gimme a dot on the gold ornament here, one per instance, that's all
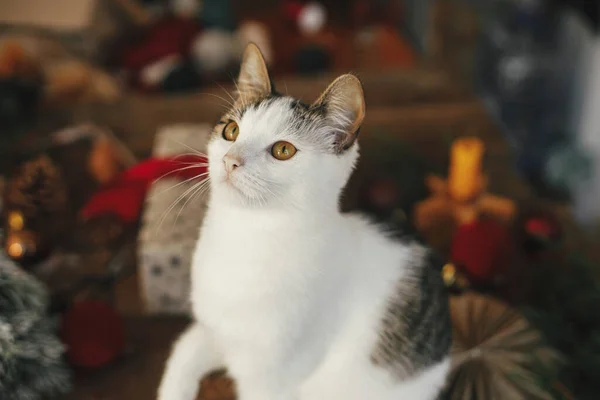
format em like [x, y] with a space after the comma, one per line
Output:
[454, 278]
[16, 221]
[20, 245]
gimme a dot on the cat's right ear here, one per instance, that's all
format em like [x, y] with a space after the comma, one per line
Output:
[253, 81]
[343, 104]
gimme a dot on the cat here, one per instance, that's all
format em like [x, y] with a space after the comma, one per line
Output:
[295, 299]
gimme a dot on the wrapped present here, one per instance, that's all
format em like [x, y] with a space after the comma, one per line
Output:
[166, 277]
[170, 224]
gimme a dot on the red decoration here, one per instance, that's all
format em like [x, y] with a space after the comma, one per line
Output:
[93, 333]
[125, 195]
[539, 233]
[169, 36]
[541, 227]
[483, 250]
[292, 9]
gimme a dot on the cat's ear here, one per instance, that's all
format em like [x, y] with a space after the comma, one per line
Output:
[253, 81]
[343, 104]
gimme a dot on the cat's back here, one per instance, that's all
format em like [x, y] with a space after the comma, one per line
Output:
[414, 328]
[399, 322]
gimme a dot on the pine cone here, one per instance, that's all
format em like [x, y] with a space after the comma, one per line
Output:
[37, 189]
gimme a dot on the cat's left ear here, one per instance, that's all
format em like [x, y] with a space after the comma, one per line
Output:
[343, 103]
[253, 81]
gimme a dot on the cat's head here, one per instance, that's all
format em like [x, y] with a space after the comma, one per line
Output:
[271, 150]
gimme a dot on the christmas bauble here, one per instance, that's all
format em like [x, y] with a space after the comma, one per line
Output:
[483, 250]
[539, 231]
[213, 50]
[93, 333]
[312, 18]
[292, 9]
[453, 278]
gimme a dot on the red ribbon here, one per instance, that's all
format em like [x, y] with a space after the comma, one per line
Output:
[125, 195]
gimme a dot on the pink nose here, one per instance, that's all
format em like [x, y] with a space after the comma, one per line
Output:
[231, 163]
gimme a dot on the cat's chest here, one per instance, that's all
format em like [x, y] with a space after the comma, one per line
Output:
[243, 277]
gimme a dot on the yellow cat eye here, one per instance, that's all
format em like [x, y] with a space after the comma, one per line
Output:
[231, 131]
[283, 150]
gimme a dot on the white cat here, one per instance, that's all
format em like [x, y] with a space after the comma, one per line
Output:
[297, 300]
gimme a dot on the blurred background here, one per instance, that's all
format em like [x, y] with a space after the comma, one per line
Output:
[482, 137]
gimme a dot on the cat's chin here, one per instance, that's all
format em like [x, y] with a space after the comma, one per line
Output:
[232, 193]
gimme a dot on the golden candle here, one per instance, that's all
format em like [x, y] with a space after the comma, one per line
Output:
[465, 175]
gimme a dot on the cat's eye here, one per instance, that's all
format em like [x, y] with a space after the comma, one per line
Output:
[283, 150]
[231, 131]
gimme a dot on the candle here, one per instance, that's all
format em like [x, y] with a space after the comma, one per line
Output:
[465, 176]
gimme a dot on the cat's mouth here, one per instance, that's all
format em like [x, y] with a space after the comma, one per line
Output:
[233, 183]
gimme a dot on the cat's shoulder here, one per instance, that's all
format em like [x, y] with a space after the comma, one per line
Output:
[415, 327]
[395, 235]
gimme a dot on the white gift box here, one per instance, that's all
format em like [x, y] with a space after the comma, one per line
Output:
[171, 221]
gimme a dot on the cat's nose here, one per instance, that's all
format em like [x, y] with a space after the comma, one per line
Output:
[231, 163]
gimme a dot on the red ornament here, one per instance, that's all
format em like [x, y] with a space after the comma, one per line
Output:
[93, 333]
[539, 233]
[170, 36]
[483, 250]
[542, 227]
[292, 9]
[125, 195]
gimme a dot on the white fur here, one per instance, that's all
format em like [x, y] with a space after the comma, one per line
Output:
[288, 293]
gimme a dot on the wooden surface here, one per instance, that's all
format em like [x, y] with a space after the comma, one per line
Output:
[136, 375]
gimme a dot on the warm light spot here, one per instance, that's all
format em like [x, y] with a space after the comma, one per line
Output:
[16, 250]
[449, 274]
[16, 222]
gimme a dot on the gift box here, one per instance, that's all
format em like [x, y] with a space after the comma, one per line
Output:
[170, 225]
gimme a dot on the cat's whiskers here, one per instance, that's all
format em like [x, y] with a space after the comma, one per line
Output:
[194, 151]
[227, 102]
[198, 186]
[228, 94]
[202, 175]
[261, 185]
[190, 166]
[203, 190]
[174, 204]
